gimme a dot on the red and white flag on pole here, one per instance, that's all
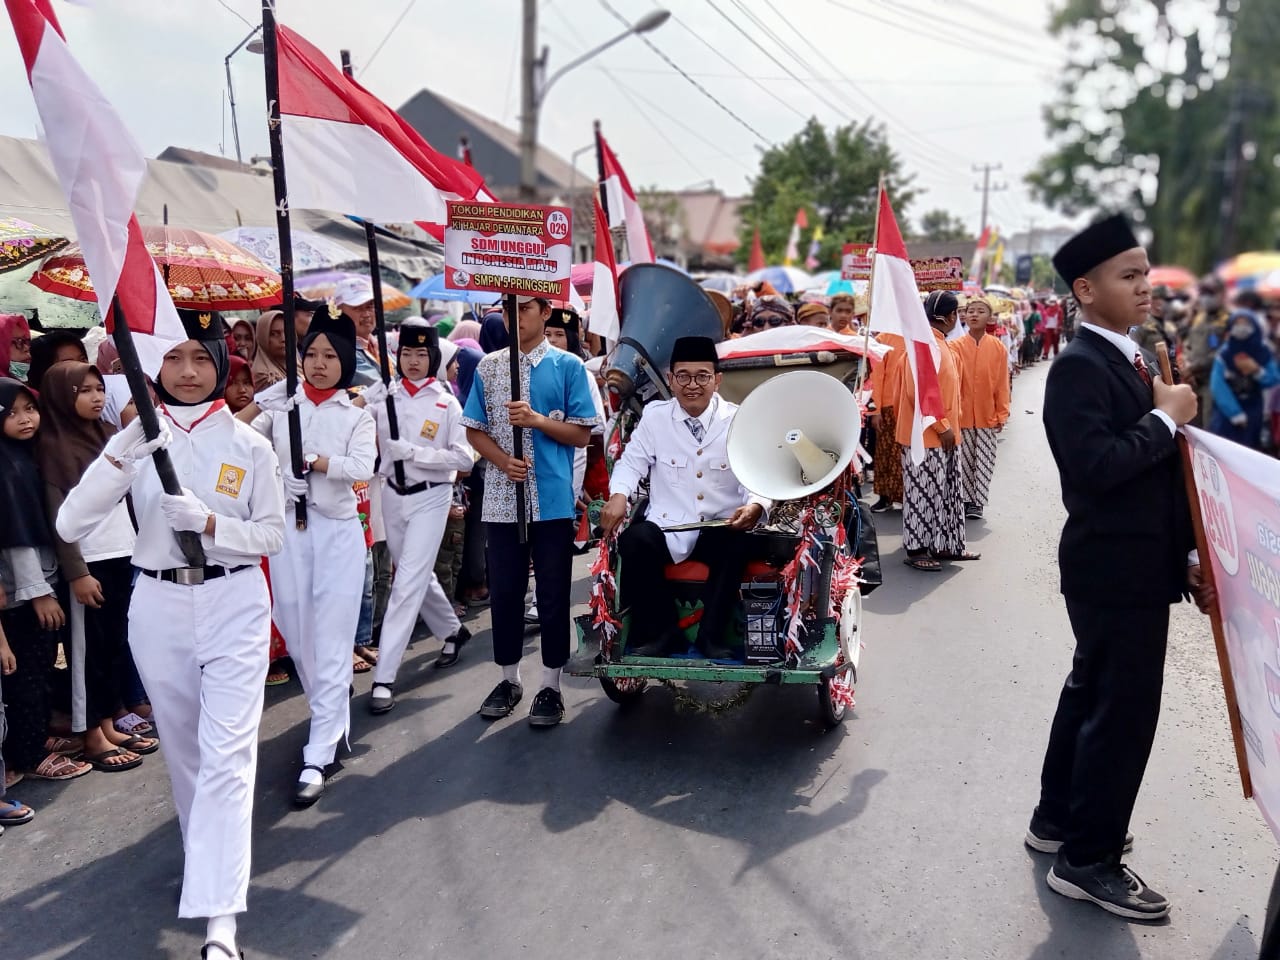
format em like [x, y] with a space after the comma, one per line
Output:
[347, 151]
[624, 209]
[896, 308]
[100, 169]
[605, 317]
[793, 241]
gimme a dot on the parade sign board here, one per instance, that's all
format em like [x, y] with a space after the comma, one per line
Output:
[939, 273]
[855, 261]
[1238, 490]
[508, 248]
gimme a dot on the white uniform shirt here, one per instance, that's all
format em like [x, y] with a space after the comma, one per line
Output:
[336, 429]
[691, 479]
[432, 420]
[223, 462]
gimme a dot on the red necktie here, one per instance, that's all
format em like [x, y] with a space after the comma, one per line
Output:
[1143, 372]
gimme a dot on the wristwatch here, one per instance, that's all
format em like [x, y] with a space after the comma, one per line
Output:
[309, 461]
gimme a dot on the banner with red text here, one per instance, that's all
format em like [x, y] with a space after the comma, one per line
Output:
[508, 248]
[1239, 490]
[938, 273]
[855, 261]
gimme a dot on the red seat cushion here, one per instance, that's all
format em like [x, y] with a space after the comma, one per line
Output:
[691, 571]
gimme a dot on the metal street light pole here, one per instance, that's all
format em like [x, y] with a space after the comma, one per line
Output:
[254, 47]
[533, 86]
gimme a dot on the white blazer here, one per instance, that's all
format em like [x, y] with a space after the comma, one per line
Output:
[690, 480]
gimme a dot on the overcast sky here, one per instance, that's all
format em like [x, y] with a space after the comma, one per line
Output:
[959, 82]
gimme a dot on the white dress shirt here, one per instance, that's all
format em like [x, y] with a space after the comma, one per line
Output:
[432, 420]
[1126, 346]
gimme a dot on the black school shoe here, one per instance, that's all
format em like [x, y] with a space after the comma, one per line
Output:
[1046, 837]
[459, 640]
[882, 505]
[501, 701]
[547, 709]
[1111, 885]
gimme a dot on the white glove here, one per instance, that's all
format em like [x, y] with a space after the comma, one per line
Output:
[274, 399]
[377, 392]
[185, 511]
[131, 445]
[401, 449]
[295, 487]
[1240, 419]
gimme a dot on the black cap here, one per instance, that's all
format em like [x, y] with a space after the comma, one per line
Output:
[694, 350]
[323, 321]
[202, 324]
[566, 318]
[415, 335]
[1095, 244]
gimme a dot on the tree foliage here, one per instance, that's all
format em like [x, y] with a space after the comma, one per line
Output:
[834, 176]
[942, 226]
[1166, 111]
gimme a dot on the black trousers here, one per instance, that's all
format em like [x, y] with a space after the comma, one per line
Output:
[550, 547]
[1105, 725]
[26, 690]
[473, 559]
[106, 636]
[645, 589]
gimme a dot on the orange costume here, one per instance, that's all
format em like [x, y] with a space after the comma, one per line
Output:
[984, 388]
[885, 381]
[948, 381]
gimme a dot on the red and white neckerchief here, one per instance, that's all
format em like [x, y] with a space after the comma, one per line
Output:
[411, 389]
[213, 408]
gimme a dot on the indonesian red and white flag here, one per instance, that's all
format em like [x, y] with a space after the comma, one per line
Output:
[624, 209]
[345, 150]
[896, 308]
[100, 169]
[605, 317]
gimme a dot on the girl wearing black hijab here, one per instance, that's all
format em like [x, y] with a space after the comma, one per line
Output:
[318, 578]
[199, 635]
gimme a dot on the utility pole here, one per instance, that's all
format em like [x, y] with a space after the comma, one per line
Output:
[987, 188]
[1031, 235]
[531, 67]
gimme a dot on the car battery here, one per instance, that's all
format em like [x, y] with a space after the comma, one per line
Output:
[764, 636]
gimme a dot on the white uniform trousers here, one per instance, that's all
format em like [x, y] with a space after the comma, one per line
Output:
[317, 582]
[202, 654]
[415, 527]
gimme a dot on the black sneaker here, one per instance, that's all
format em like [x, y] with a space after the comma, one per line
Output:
[501, 701]
[972, 511]
[882, 505]
[1046, 837]
[547, 709]
[1111, 885]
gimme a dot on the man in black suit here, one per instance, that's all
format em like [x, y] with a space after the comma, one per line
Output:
[1125, 555]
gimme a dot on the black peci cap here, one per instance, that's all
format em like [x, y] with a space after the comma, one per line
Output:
[1096, 244]
[202, 324]
[694, 350]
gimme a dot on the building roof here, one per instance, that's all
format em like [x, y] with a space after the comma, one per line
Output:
[711, 219]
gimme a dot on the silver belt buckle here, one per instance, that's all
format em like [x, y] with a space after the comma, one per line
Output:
[189, 576]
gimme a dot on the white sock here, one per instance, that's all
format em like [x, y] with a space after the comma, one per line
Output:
[308, 775]
[551, 678]
[512, 673]
[449, 647]
[223, 931]
[381, 693]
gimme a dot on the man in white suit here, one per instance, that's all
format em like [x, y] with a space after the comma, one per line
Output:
[682, 445]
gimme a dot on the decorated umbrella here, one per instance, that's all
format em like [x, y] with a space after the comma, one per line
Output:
[433, 288]
[311, 251]
[724, 283]
[782, 279]
[320, 286]
[22, 242]
[1175, 278]
[1243, 271]
[202, 272]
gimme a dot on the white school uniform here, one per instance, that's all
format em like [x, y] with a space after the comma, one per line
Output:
[202, 649]
[432, 420]
[317, 581]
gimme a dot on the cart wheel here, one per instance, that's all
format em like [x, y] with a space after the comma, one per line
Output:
[625, 690]
[831, 712]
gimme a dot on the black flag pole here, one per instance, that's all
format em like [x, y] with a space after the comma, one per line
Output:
[286, 245]
[188, 542]
[512, 305]
[375, 277]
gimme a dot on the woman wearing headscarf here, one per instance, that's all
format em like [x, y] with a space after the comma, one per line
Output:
[15, 346]
[465, 330]
[1243, 370]
[245, 338]
[54, 347]
[97, 569]
[199, 635]
[269, 356]
[317, 579]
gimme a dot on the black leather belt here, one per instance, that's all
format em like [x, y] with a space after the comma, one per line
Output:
[412, 488]
[193, 576]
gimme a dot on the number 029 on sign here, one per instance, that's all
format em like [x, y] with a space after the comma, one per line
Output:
[508, 248]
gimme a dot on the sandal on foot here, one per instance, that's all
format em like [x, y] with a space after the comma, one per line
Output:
[57, 767]
[277, 678]
[958, 557]
[923, 562]
[13, 813]
[99, 761]
[133, 725]
[359, 664]
[142, 746]
[368, 654]
[12, 778]
[379, 705]
[64, 746]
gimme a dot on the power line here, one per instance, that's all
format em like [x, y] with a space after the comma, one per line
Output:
[1003, 18]
[678, 69]
[234, 12]
[868, 81]
[378, 49]
[934, 18]
[740, 72]
[696, 134]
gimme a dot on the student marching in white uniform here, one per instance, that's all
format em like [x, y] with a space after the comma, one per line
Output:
[199, 636]
[318, 578]
[432, 447]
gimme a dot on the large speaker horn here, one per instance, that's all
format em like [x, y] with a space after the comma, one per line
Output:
[794, 435]
[659, 305]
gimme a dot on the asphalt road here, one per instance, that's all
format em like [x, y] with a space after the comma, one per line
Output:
[660, 832]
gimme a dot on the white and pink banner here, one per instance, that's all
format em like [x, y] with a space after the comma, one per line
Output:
[508, 248]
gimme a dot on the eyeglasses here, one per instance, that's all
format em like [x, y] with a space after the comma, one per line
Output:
[773, 321]
[685, 378]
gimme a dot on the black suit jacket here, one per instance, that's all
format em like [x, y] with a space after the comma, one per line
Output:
[1128, 528]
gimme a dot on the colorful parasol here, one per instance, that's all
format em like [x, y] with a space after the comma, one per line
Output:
[311, 251]
[320, 286]
[202, 272]
[22, 242]
[1248, 266]
[1175, 278]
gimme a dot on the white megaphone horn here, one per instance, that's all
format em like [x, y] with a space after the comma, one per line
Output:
[794, 435]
